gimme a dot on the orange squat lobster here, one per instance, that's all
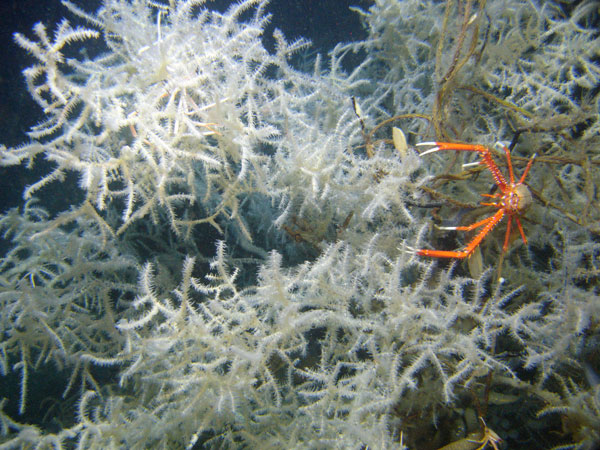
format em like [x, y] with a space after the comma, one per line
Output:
[512, 200]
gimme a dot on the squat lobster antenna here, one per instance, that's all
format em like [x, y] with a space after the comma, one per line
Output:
[512, 200]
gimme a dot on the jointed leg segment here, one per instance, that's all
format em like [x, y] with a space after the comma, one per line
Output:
[488, 224]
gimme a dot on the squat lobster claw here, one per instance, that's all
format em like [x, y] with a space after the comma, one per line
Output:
[512, 200]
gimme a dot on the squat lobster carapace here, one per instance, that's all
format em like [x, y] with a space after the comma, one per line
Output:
[512, 200]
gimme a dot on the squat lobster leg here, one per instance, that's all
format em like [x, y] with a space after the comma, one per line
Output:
[513, 199]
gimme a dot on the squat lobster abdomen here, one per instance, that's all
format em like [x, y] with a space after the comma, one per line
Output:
[513, 199]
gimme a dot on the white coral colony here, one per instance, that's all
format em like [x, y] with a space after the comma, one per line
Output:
[233, 272]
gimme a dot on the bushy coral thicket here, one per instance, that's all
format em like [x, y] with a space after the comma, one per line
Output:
[238, 272]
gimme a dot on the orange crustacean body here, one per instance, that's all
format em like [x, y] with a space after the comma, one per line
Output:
[512, 199]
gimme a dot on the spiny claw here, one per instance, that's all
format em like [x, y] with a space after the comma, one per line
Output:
[436, 147]
[407, 249]
[446, 228]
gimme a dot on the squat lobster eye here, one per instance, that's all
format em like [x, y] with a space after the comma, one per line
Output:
[512, 200]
